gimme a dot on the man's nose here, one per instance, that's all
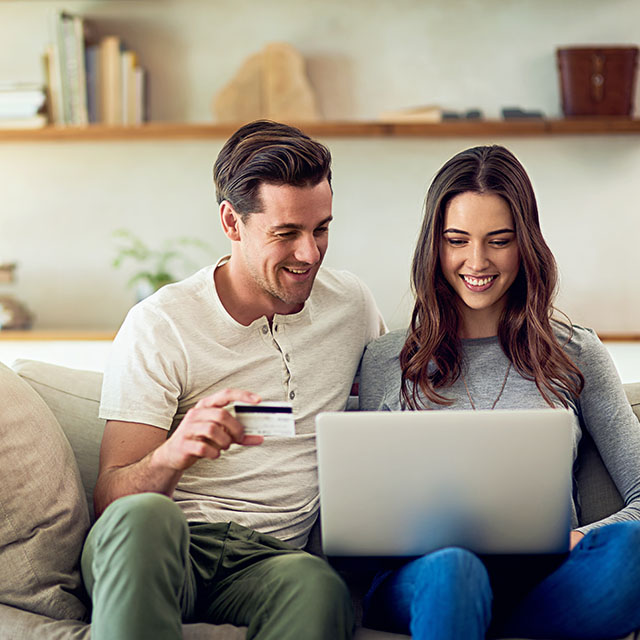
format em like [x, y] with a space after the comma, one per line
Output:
[307, 250]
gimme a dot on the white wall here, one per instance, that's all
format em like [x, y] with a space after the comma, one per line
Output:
[60, 202]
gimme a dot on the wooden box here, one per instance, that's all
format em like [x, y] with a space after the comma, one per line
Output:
[597, 81]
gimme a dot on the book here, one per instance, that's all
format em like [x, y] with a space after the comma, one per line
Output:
[133, 89]
[54, 75]
[60, 66]
[92, 64]
[413, 114]
[19, 92]
[66, 69]
[141, 114]
[34, 122]
[76, 38]
[128, 60]
[21, 100]
[110, 81]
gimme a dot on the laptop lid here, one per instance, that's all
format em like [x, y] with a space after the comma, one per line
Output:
[406, 483]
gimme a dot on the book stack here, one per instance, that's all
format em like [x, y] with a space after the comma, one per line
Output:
[427, 115]
[92, 81]
[21, 106]
[431, 113]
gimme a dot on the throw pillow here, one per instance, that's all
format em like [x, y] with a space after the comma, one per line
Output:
[43, 510]
[73, 396]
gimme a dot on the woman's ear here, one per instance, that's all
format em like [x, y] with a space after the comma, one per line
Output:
[230, 221]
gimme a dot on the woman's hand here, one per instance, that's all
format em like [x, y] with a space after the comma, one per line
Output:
[574, 538]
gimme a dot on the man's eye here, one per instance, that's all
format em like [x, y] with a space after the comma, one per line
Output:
[321, 230]
[285, 235]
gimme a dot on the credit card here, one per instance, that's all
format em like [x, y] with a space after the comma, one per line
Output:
[265, 418]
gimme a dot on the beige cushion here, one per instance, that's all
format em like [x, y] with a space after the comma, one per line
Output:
[43, 511]
[633, 394]
[16, 624]
[74, 397]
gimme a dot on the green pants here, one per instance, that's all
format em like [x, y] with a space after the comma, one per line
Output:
[147, 571]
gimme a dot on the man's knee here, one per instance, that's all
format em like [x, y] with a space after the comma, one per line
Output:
[142, 520]
[311, 580]
[144, 510]
[136, 535]
[303, 598]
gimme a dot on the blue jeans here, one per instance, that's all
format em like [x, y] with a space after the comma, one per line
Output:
[593, 592]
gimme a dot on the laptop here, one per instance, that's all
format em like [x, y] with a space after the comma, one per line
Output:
[407, 483]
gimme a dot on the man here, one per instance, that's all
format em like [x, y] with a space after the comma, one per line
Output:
[206, 524]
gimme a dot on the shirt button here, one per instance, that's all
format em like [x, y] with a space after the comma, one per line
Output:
[292, 395]
[286, 357]
[275, 327]
[265, 329]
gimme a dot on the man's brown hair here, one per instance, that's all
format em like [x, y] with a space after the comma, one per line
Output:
[267, 152]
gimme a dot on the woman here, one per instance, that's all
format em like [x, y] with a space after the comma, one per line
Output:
[482, 336]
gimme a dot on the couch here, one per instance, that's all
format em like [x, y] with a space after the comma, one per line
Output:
[49, 446]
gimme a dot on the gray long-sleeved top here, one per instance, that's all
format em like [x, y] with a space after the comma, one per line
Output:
[602, 408]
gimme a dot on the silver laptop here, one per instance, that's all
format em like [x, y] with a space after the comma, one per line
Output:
[406, 483]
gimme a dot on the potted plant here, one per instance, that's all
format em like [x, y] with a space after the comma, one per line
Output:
[156, 267]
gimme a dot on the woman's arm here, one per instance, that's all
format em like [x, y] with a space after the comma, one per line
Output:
[380, 373]
[606, 413]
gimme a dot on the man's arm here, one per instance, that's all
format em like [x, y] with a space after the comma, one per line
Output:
[136, 458]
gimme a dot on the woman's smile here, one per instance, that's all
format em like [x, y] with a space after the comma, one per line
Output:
[478, 284]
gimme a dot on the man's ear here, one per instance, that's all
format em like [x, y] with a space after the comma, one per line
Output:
[230, 221]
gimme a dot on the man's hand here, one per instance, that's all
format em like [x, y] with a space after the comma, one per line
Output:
[574, 538]
[205, 431]
[135, 458]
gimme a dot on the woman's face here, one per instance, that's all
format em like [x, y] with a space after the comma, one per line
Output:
[479, 258]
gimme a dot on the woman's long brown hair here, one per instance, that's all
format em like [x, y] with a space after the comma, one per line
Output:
[431, 358]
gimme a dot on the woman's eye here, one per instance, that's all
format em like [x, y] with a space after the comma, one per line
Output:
[500, 243]
[456, 242]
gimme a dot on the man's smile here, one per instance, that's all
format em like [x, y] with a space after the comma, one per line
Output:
[297, 271]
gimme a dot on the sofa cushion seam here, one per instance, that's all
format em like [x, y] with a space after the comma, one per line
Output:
[48, 386]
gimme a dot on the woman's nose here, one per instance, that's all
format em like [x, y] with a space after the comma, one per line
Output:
[477, 259]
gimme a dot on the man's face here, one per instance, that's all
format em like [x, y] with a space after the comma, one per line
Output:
[282, 247]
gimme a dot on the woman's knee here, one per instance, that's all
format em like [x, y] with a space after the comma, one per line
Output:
[456, 566]
[617, 542]
[624, 535]
[614, 549]
[458, 582]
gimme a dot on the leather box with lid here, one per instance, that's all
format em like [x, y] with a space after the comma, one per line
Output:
[597, 81]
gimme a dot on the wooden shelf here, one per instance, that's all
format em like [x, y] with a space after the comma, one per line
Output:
[619, 337]
[91, 334]
[345, 129]
[56, 334]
